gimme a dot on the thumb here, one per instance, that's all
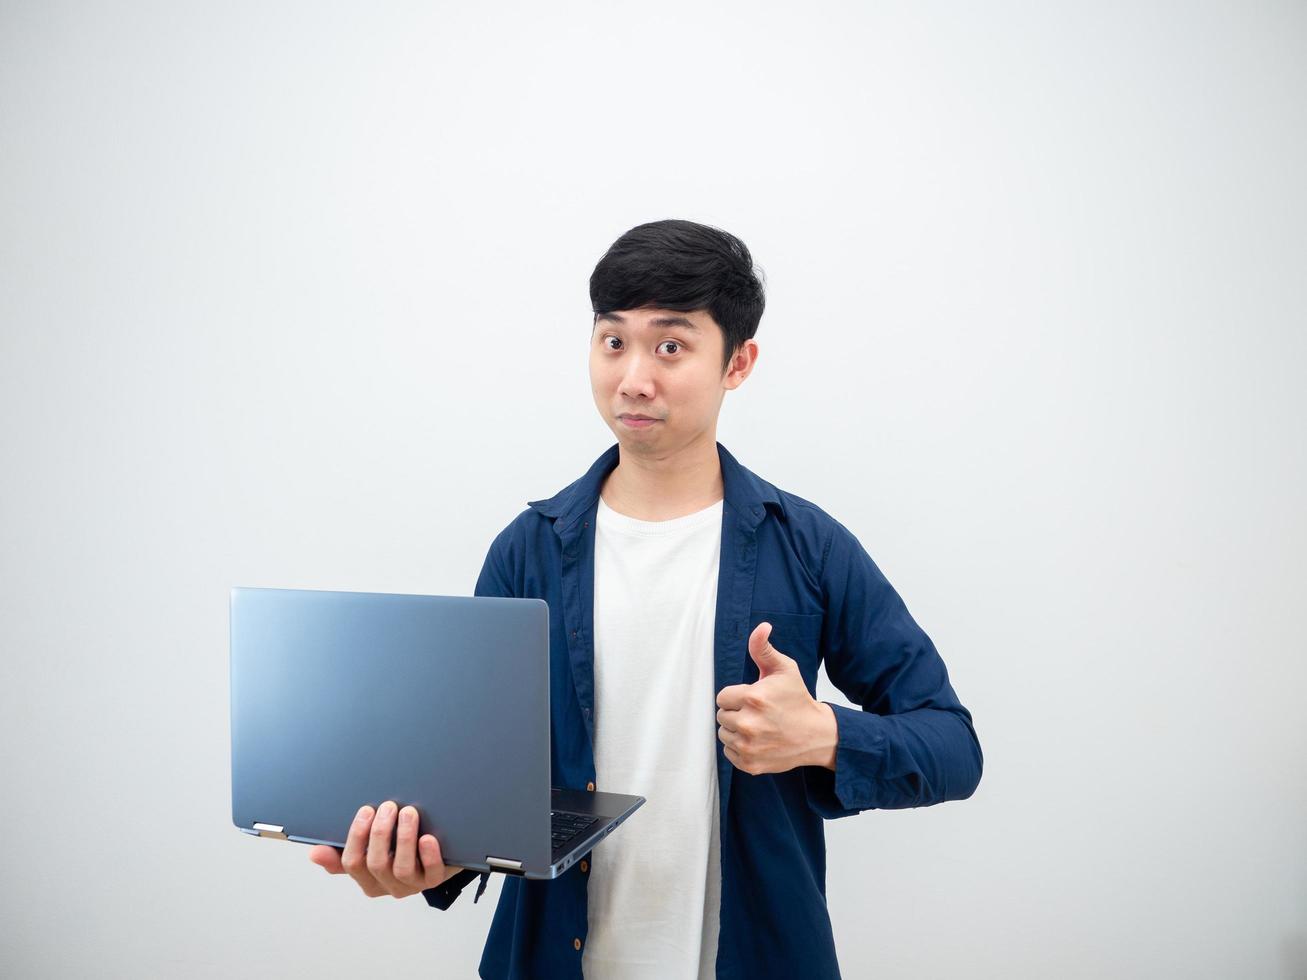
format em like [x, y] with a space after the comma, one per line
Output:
[328, 857]
[767, 657]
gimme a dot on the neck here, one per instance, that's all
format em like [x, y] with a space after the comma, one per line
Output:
[665, 485]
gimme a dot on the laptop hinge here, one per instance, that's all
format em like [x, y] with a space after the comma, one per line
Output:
[504, 864]
[271, 830]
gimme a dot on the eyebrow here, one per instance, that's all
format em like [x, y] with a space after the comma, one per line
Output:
[658, 321]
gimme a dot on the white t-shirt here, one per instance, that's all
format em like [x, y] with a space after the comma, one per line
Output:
[654, 892]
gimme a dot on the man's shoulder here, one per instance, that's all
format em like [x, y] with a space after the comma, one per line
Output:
[526, 523]
[797, 511]
[801, 510]
[809, 527]
[818, 534]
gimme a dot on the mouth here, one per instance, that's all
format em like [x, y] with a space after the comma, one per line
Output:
[636, 421]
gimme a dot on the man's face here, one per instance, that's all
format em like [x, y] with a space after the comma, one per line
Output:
[665, 365]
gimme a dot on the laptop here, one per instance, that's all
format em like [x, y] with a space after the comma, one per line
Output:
[340, 699]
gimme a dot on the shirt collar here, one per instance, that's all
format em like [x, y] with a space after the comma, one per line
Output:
[745, 492]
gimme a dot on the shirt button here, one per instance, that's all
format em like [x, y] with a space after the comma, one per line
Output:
[576, 944]
[585, 866]
[590, 786]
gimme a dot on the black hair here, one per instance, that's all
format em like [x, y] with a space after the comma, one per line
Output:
[682, 265]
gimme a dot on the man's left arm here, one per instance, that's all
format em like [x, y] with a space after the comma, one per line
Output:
[912, 743]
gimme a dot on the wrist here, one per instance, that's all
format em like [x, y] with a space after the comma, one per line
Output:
[827, 738]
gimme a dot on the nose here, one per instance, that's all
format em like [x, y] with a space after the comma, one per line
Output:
[637, 378]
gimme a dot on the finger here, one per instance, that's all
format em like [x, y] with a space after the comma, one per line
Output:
[732, 698]
[733, 758]
[327, 857]
[379, 856]
[728, 718]
[434, 869]
[406, 868]
[355, 857]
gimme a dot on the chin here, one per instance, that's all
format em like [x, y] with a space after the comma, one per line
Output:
[636, 437]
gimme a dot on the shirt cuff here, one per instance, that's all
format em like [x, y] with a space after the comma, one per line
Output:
[442, 896]
[859, 753]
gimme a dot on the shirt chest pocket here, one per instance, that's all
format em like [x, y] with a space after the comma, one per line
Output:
[797, 635]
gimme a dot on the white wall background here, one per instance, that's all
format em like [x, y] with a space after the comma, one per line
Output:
[297, 297]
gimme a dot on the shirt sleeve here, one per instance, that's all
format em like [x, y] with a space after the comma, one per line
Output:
[443, 895]
[912, 743]
[493, 581]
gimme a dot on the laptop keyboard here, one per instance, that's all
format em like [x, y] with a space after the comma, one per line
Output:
[564, 826]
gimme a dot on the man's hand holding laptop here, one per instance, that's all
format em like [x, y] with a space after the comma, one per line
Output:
[415, 865]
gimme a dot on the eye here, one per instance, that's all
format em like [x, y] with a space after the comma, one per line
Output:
[607, 337]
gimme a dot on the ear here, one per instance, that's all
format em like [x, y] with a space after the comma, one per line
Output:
[740, 364]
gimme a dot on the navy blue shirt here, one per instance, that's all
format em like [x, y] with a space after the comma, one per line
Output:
[787, 562]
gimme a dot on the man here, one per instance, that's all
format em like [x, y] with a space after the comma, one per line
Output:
[691, 603]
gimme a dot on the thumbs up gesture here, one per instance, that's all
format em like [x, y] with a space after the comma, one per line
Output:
[774, 724]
